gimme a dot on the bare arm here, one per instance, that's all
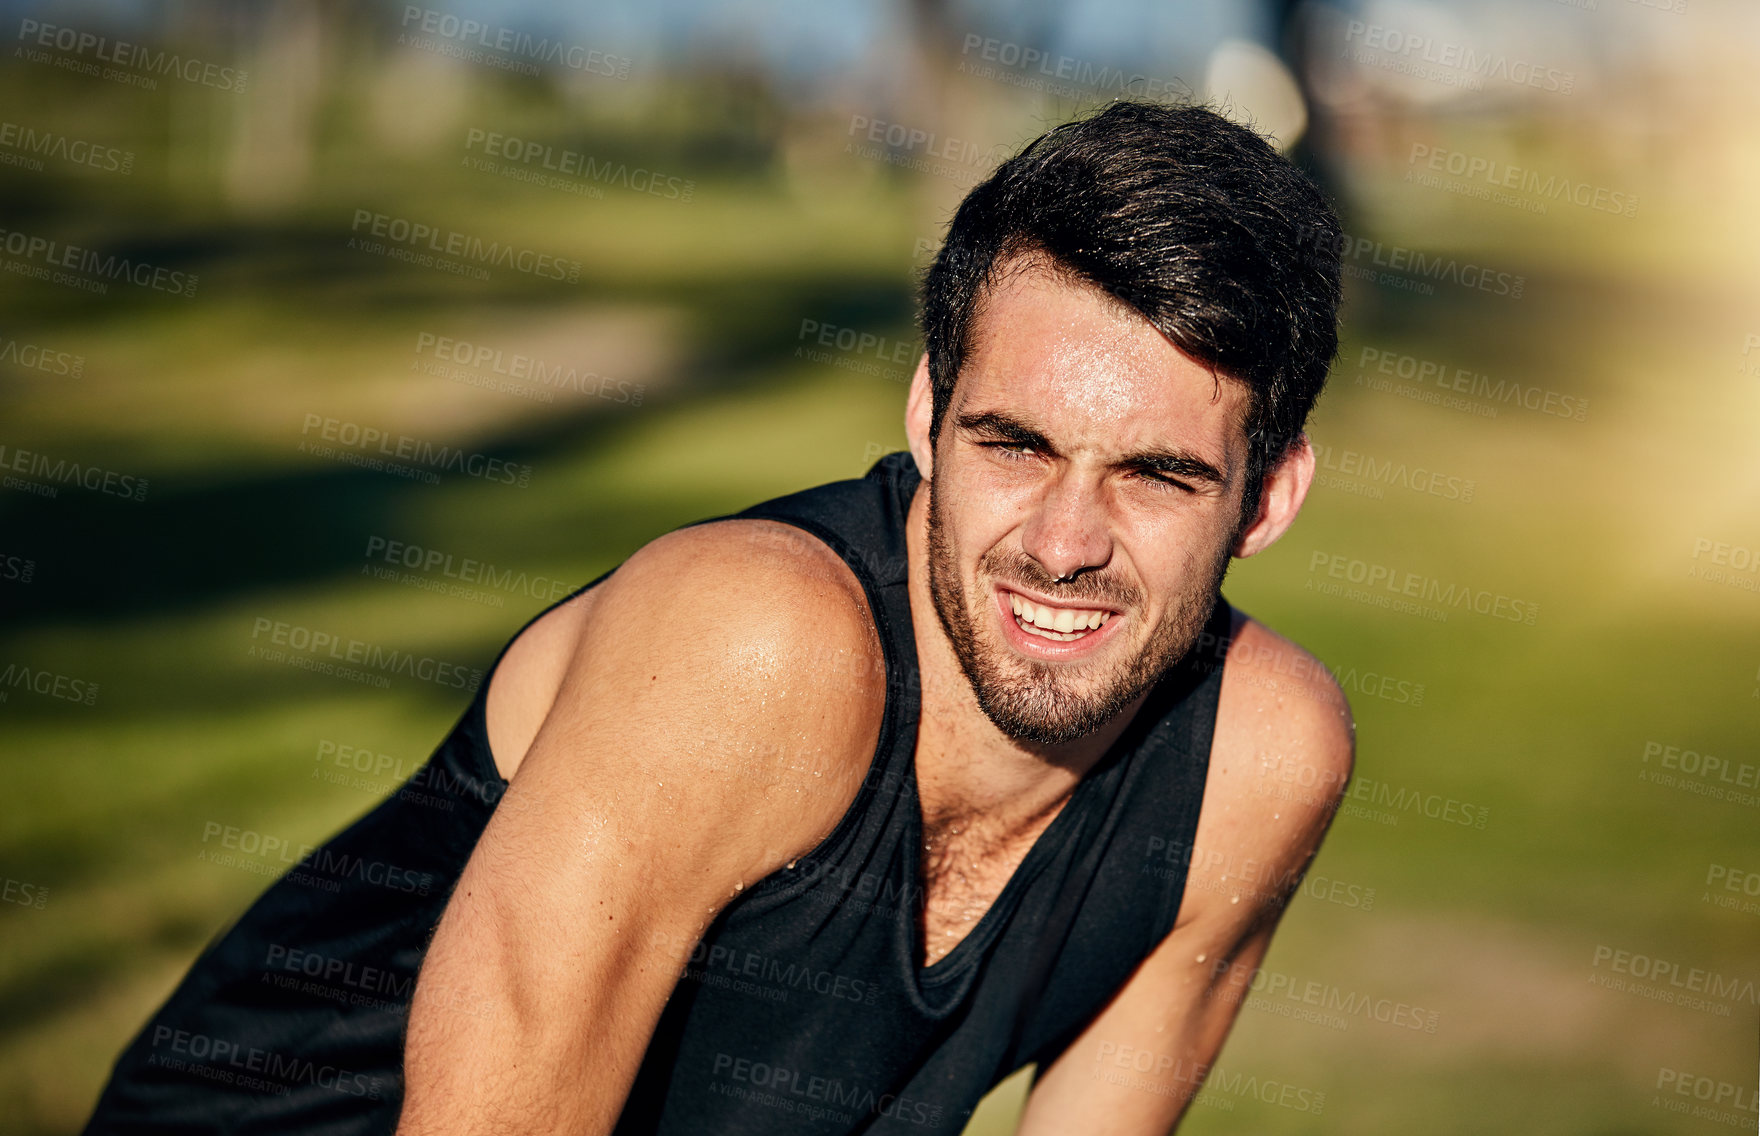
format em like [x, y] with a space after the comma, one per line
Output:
[1135, 1068]
[651, 794]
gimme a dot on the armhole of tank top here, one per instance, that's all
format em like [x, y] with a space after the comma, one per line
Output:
[776, 885]
[779, 886]
[481, 754]
[1195, 772]
[478, 711]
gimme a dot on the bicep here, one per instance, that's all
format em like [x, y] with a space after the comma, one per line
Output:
[650, 795]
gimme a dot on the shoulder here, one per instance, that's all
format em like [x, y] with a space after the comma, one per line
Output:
[1279, 703]
[743, 671]
[1280, 758]
[762, 591]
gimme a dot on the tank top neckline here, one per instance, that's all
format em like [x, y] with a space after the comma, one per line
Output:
[895, 750]
[957, 962]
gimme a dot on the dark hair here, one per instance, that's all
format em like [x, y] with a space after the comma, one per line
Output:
[1197, 223]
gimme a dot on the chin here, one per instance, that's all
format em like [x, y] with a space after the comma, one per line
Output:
[1048, 704]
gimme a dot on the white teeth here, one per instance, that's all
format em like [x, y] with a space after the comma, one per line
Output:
[1055, 623]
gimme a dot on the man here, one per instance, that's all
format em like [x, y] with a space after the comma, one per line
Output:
[827, 817]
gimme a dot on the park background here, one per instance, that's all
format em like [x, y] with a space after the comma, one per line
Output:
[1546, 401]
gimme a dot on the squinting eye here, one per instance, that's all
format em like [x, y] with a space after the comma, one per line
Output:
[1165, 483]
[1010, 449]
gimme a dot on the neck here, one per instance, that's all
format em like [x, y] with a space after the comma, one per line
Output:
[968, 771]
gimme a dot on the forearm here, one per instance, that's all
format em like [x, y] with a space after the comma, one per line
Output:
[496, 1044]
[1172, 1071]
[1136, 1068]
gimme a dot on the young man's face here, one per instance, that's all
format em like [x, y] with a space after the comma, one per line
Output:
[1086, 490]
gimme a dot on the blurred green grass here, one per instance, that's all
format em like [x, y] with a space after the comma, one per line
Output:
[1542, 726]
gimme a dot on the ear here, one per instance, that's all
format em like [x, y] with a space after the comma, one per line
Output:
[919, 408]
[1286, 487]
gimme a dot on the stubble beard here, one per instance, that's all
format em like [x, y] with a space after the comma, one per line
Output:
[1045, 703]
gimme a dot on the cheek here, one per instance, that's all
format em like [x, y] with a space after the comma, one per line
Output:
[982, 509]
[995, 485]
[1170, 553]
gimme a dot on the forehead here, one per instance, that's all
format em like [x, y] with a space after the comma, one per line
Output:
[1092, 373]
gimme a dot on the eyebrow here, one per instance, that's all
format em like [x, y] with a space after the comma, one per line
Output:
[1006, 428]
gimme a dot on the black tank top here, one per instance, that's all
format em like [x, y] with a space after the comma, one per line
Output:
[804, 1007]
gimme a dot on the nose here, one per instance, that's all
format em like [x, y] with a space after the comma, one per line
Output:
[1068, 529]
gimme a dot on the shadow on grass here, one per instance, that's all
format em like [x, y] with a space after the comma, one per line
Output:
[190, 545]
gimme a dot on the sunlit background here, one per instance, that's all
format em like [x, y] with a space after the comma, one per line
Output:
[290, 289]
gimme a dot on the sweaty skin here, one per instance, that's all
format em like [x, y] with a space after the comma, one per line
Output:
[1085, 466]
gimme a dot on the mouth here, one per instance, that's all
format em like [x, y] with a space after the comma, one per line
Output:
[1048, 630]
